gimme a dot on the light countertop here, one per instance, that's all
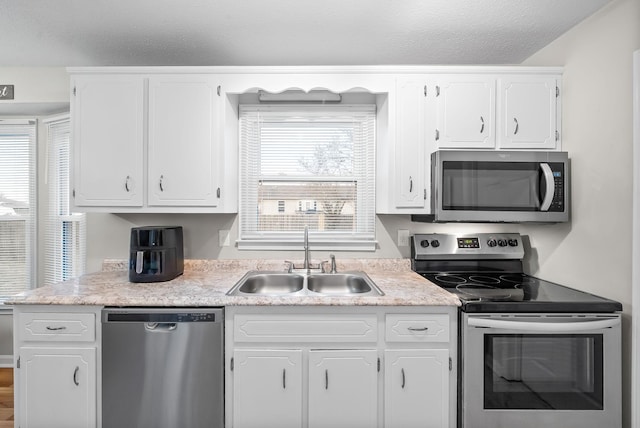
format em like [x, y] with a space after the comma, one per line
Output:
[205, 282]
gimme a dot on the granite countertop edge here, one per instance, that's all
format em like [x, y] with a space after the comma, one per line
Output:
[205, 283]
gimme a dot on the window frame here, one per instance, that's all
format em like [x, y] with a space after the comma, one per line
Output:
[363, 236]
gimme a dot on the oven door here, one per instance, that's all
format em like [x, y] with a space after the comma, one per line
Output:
[500, 186]
[533, 370]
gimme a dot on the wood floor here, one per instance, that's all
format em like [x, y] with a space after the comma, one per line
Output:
[6, 398]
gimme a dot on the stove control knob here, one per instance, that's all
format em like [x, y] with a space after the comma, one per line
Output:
[435, 243]
[513, 242]
[424, 243]
[492, 242]
[502, 243]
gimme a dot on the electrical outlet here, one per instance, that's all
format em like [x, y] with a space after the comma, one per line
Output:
[403, 238]
[223, 238]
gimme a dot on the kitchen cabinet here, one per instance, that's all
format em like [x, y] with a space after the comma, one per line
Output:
[410, 146]
[528, 112]
[267, 388]
[108, 147]
[183, 114]
[343, 388]
[465, 112]
[58, 387]
[318, 367]
[56, 367]
[148, 143]
[417, 388]
[502, 112]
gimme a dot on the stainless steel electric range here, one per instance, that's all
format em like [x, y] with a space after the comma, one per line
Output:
[531, 352]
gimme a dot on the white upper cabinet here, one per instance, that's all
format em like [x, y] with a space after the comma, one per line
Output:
[410, 144]
[183, 115]
[108, 131]
[148, 143]
[465, 112]
[527, 109]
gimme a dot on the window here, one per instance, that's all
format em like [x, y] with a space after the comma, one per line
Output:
[320, 159]
[65, 247]
[17, 206]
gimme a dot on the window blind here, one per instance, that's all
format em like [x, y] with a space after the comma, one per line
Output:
[17, 206]
[65, 232]
[307, 166]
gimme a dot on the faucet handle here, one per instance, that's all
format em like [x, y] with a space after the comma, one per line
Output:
[290, 265]
[333, 263]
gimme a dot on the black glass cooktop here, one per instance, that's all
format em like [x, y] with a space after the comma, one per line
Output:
[517, 292]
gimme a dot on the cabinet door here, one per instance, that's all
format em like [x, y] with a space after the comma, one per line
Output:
[417, 388]
[465, 112]
[410, 157]
[527, 112]
[183, 126]
[267, 388]
[343, 388]
[108, 135]
[57, 387]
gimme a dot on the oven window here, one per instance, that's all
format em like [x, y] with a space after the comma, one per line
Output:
[543, 371]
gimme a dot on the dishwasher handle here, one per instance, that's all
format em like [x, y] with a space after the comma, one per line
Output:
[160, 327]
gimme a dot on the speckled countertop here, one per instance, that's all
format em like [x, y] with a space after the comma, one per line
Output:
[205, 282]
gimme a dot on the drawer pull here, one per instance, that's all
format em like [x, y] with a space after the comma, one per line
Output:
[417, 328]
[56, 328]
[75, 376]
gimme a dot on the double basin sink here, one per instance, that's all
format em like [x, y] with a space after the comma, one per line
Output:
[274, 283]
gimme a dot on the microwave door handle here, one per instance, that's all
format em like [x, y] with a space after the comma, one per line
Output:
[549, 327]
[549, 186]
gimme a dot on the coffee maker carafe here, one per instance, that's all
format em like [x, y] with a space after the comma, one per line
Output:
[156, 253]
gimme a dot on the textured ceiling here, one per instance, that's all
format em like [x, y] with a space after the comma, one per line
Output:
[281, 32]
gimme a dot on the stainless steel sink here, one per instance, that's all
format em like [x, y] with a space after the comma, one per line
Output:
[314, 284]
[268, 283]
[341, 284]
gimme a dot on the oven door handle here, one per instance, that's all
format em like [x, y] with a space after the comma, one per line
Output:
[547, 327]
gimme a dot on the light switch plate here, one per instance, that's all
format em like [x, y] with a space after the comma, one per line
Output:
[403, 238]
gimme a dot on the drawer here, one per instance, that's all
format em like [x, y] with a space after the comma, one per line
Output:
[57, 327]
[417, 328]
[305, 328]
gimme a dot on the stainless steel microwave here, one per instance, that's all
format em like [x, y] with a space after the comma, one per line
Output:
[500, 186]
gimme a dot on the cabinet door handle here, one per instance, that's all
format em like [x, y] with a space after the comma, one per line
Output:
[403, 378]
[126, 184]
[284, 378]
[517, 126]
[326, 379]
[410, 184]
[437, 135]
[417, 328]
[161, 186]
[75, 376]
[482, 124]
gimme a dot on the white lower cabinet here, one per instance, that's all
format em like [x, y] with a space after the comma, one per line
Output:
[343, 388]
[267, 388]
[56, 376]
[416, 388]
[57, 387]
[348, 367]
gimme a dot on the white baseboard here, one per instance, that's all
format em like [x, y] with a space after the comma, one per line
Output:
[6, 361]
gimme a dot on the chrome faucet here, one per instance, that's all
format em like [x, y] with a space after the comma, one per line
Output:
[307, 264]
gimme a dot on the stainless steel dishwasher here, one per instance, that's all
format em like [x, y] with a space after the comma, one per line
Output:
[162, 368]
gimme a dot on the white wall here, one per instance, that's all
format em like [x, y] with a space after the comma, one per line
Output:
[595, 254]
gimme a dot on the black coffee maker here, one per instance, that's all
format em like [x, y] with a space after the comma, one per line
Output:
[156, 253]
